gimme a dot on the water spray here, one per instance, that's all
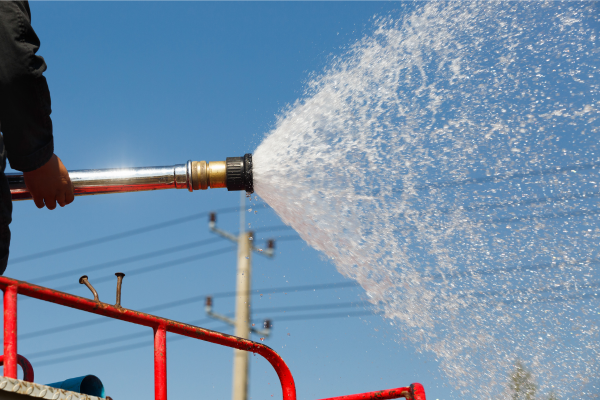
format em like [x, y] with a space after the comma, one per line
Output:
[235, 173]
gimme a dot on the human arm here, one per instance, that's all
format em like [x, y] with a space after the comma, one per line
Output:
[25, 109]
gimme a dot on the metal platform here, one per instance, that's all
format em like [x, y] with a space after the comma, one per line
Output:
[16, 389]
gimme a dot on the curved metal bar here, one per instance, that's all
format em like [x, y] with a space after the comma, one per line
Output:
[288, 386]
[25, 364]
[412, 392]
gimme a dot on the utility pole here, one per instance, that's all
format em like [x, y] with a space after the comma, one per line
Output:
[242, 321]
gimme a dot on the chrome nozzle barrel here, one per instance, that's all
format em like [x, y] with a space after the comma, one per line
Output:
[194, 175]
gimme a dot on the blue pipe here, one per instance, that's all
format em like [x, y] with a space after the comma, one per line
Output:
[88, 384]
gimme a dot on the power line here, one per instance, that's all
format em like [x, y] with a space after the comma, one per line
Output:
[272, 228]
[559, 298]
[100, 320]
[127, 260]
[142, 256]
[199, 322]
[267, 291]
[306, 307]
[506, 177]
[498, 270]
[102, 342]
[204, 321]
[95, 353]
[287, 238]
[324, 316]
[96, 321]
[531, 293]
[155, 267]
[517, 219]
[564, 214]
[255, 292]
[207, 320]
[149, 343]
[139, 257]
[179, 337]
[526, 202]
[87, 345]
[117, 236]
[513, 203]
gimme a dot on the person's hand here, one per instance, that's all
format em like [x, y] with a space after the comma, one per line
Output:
[50, 184]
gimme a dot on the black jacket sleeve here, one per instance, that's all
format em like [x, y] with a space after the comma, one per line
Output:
[24, 96]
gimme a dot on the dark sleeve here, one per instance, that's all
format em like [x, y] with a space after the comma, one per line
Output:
[24, 95]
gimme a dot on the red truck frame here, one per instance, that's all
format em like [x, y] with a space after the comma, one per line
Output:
[160, 326]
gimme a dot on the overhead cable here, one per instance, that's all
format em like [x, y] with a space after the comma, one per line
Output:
[126, 260]
[510, 176]
[148, 343]
[155, 267]
[100, 320]
[199, 322]
[117, 236]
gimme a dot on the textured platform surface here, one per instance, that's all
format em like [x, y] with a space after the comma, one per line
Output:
[15, 389]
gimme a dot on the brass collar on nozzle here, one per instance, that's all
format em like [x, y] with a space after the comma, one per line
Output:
[235, 174]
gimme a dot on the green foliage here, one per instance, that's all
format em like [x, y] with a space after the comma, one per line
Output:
[522, 384]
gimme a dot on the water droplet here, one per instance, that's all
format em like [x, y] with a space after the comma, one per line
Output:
[262, 338]
[249, 210]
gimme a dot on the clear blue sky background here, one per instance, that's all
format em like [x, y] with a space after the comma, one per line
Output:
[143, 84]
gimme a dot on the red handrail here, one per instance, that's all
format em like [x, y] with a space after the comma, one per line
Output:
[413, 392]
[160, 326]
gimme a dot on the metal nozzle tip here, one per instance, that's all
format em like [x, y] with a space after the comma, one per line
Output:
[239, 173]
[83, 279]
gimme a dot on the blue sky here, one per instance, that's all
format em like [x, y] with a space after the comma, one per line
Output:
[143, 84]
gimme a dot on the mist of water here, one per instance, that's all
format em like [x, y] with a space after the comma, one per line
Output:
[450, 163]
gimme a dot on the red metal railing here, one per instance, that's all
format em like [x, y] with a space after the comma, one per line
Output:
[161, 326]
[412, 392]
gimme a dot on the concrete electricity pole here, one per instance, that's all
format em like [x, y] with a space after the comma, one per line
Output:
[242, 320]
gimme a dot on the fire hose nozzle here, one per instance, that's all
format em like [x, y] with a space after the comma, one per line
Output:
[235, 174]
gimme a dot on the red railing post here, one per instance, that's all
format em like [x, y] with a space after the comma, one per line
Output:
[160, 363]
[10, 332]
